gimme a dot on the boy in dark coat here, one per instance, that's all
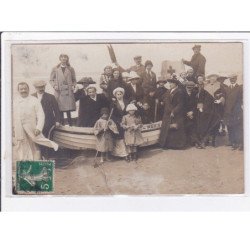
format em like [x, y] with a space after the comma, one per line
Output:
[90, 106]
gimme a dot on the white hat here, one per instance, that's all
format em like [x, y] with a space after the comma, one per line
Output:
[125, 74]
[91, 86]
[134, 75]
[119, 89]
[131, 107]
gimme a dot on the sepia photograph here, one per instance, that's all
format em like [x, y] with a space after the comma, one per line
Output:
[149, 118]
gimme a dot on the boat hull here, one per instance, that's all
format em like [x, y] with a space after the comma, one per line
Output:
[79, 138]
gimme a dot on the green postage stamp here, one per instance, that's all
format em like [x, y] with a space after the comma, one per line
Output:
[35, 177]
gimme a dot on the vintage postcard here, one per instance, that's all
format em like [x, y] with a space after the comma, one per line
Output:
[127, 117]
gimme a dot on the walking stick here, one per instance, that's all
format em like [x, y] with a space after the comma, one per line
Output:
[156, 107]
[95, 164]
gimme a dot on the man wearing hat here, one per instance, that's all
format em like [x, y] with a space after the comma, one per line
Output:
[234, 97]
[134, 88]
[50, 107]
[197, 62]
[190, 93]
[172, 133]
[90, 105]
[139, 68]
[148, 77]
[28, 125]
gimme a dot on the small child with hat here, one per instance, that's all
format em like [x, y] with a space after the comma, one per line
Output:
[104, 130]
[132, 136]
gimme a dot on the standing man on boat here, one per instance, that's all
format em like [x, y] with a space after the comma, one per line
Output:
[197, 62]
[139, 68]
[28, 125]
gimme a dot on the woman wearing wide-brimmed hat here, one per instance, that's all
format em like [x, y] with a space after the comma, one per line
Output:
[63, 80]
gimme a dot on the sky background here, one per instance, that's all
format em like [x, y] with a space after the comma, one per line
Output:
[32, 62]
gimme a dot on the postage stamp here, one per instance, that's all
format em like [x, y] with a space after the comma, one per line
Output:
[35, 177]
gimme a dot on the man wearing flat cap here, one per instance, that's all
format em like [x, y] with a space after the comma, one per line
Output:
[49, 105]
[197, 62]
[139, 68]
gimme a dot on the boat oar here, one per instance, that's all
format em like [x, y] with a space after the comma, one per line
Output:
[95, 164]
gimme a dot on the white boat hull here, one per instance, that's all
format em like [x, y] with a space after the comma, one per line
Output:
[79, 138]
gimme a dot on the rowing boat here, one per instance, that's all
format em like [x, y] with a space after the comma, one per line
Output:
[79, 138]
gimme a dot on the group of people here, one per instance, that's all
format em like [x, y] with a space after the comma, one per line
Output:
[193, 110]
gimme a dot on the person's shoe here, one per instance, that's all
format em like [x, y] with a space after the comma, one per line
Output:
[229, 144]
[235, 146]
[203, 145]
[127, 158]
[241, 148]
[135, 157]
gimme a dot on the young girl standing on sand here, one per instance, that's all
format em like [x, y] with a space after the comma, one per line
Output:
[132, 136]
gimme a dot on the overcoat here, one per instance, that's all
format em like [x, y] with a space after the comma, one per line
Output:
[64, 82]
[148, 81]
[132, 124]
[232, 96]
[207, 118]
[197, 62]
[105, 140]
[89, 109]
[173, 137]
[51, 111]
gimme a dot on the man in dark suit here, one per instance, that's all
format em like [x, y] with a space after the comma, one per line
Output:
[233, 97]
[197, 62]
[90, 106]
[50, 107]
[190, 107]
[51, 112]
[148, 77]
[134, 88]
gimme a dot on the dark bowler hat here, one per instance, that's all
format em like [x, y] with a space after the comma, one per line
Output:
[137, 57]
[86, 80]
[174, 81]
[196, 47]
[148, 62]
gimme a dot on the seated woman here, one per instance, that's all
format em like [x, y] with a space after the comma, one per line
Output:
[90, 106]
[119, 110]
